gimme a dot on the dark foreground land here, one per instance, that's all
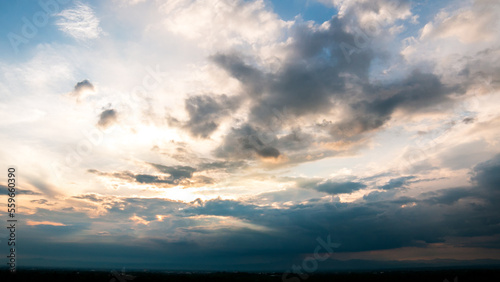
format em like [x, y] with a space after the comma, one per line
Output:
[453, 275]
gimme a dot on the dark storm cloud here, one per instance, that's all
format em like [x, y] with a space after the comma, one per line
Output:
[378, 196]
[451, 196]
[332, 187]
[223, 208]
[107, 118]
[486, 186]
[281, 235]
[487, 174]
[391, 223]
[205, 113]
[139, 178]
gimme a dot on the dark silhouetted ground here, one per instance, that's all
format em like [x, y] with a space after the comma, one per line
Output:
[476, 275]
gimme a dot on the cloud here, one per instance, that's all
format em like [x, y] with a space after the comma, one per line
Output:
[244, 142]
[417, 92]
[5, 190]
[51, 223]
[170, 176]
[487, 175]
[107, 118]
[396, 183]
[367, 12]
[228, 166]
[83, 85]
[206, 112]
[229, 23]
[90, 197]
[392, 222]
[41, 201]
[468, 25]
[293, 94]
[332, 187]
[82, 89]
[320, 95]
[176, 172]
[79, 22]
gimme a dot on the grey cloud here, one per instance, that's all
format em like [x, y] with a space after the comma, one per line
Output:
[5, 190]
[82, 86]
[41, 201]
[417, 92]
[228, 166]
[45, 188]
[201, 179]
[332, 187]
[487, 174]
[145, 178]
[468, 120]
[450, 196]
[90, 197]
[107, 118]
[397, 182]
[250, 76]
[205, 113]
[244, 142]
[308, 79]
[296, 140]
[176, 172]
[312, 81]
[223, 208]
[171, 175]
[378, 196]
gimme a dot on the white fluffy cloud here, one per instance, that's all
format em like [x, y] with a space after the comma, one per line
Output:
[478, 24]
[224, 23]
[79, 22]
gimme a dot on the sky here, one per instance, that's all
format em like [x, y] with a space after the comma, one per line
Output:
[251, 135]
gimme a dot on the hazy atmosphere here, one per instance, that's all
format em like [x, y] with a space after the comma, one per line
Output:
[251, 134]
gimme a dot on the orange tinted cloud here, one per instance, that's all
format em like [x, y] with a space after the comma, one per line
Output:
[33, 223]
